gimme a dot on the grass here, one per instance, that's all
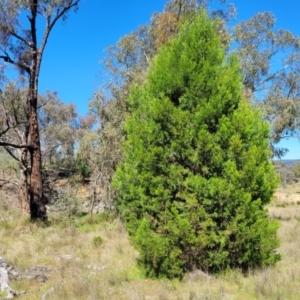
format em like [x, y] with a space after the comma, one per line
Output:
[92, 258]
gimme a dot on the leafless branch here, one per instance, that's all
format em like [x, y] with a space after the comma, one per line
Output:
[4, 182]
[8, 59]
[292, 87]
[14, 34]
[50, 24]
[41, 14]
[9, 126]
[12, 154]
[51, 149]
[270, 77]
[22, 146]
[43, 104]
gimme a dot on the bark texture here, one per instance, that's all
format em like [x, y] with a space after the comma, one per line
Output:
[36, 195]
[23, 187]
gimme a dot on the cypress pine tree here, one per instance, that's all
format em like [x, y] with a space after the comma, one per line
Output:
[196, 173]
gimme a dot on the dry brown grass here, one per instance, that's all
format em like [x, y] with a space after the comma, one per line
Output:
[93, 259]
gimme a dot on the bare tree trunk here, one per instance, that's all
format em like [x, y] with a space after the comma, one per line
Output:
[23, 193]
[37, 200]
[23, 187]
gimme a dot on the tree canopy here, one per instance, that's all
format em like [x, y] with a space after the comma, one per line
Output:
[269, 60]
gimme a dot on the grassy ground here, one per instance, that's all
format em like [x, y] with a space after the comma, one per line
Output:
[93, 259]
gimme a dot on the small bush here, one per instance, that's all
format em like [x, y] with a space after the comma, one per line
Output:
[83, 168]
[97, 241]
[281, 204]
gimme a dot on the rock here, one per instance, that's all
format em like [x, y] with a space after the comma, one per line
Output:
[4, 280]
[94, 267]
[66, 257]
[47, 293]
[38, 273]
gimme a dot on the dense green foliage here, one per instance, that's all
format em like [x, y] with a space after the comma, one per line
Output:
[196, 172]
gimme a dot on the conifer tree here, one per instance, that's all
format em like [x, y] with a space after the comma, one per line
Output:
[196, 173]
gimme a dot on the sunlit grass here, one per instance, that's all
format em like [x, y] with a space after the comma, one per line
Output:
[92, 258]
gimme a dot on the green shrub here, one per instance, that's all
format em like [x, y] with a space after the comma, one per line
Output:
[97, 241]
[197, 171]
[83, 168]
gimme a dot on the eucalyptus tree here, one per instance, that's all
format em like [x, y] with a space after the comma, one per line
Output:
[270, 63]
[58, 126]
[57, 123]
[21, 47]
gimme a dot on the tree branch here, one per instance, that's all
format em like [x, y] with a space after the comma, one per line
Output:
[14, 34]
[270, 77]
[23, 66]
[11, 154]
[4, 181]
[50, 25]
[22, 146]
[43, 104]
[9, 126]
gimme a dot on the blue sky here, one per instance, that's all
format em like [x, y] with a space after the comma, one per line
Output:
[71, 61]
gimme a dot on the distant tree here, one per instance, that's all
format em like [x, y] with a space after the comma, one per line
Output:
[57, 124]
[14, 131]
[87, 154]
[287, 175]
[165, 25]
[58, 128]
[296, 170]
[21, 47]
[271, 73]
[196, 172]
[99, 147]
